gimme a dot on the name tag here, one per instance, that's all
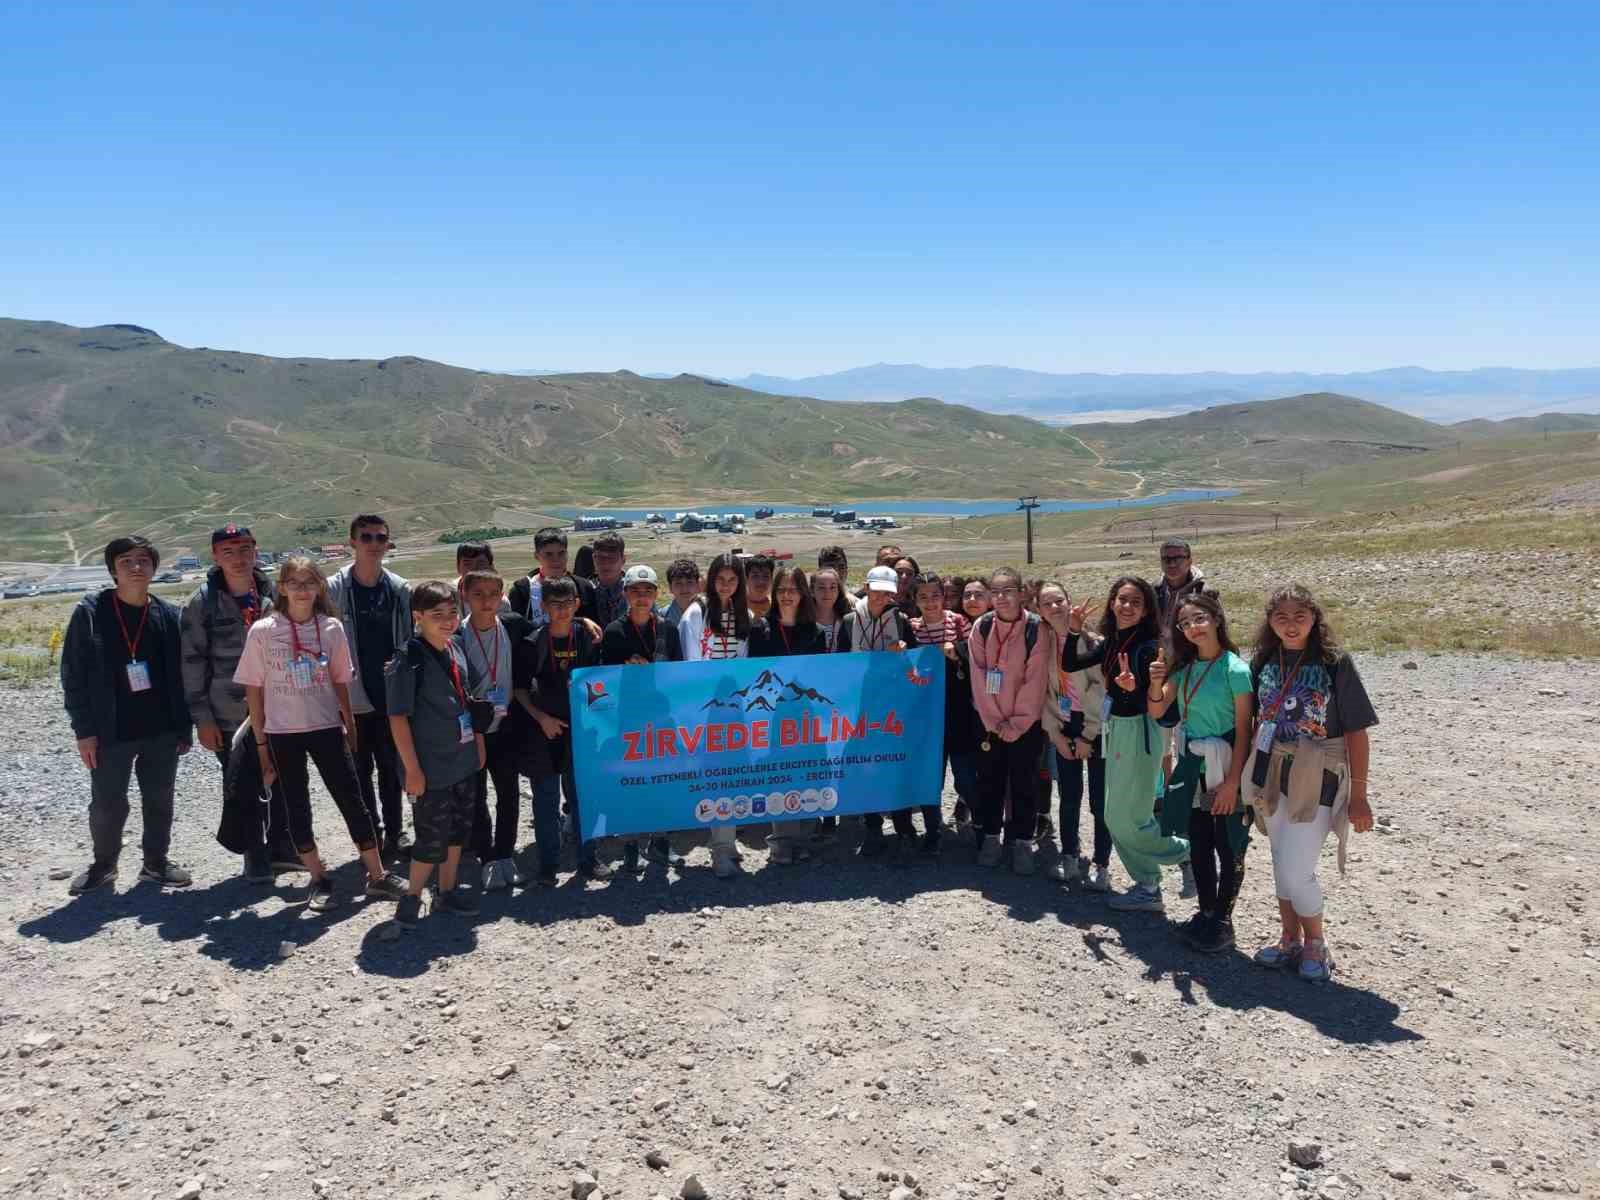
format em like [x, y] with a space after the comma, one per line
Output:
[1105, 708]
[302, 672]
[464, 720]
[138, 676]
[993, 678]
[1064, 703]
[497, 697]
[1265, 734]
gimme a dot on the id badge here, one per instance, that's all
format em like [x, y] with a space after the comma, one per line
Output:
[138, 676]
[497, 697]
[464, 720]
[1064, 703]
[1265, 735]
[1105, 708]
[1180, 741]
[301, 672]
[992, 679]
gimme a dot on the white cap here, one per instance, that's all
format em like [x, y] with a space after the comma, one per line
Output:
[882, 579]
[639, 573]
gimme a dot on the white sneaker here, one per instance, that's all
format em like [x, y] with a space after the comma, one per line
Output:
[493, 880]
[1099, 880]
[990, 852]
[1139, 898]
[723, 863]
[1188, 891]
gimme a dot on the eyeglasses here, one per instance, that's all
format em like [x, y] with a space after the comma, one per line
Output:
[366, 535]
[1009, 593]
[299, 585]
[1191, 622]
[976, 594]
[787, 591]
[1174, 558]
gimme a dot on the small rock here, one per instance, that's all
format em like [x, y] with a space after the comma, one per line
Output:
[1307, 1154]
[902, 1193]
[1498, 1163]
[846, 1192]
[685, 1063]
[504, 1070]
[301, 1049]
[388, 1114]
[1140, 1058]
[184, 989]
[325, 1079]
[286, 949]
[60, 873]
[693, 1189]
[563, 1022]
[1030, 1108]
[1408, 665]
[583, 1185]
[1398, 1171]
[192, 1189]
[1447, 990]
[656, 1160]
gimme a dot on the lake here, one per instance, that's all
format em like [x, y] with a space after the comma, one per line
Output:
[917, 508]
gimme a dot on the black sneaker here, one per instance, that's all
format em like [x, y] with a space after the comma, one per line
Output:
[594, 868]
[166, 874]
[322, 897]
[631, 862]
[409, 911]
[546, 877]
[1194, 927]
[1215, 936]
[390, 887]
[660, 851]
[258, 867]
[460, 902]
[93, 876]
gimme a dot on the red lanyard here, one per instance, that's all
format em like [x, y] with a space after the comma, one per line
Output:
[131, 644]
[1283, 684]
[455, 678]
[1114, 658]
[1000, 641]
[650, 646]
[294, 636]
[784, 634]
[492, 659]
[1189, 693]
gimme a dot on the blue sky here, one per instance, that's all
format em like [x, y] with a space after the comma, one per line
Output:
[802, 188]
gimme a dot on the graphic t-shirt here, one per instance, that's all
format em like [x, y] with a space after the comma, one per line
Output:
[271, 646]
[373, 608]
[1318, 703]
[1206, 692]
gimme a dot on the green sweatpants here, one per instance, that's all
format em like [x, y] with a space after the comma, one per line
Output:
[1132, 751]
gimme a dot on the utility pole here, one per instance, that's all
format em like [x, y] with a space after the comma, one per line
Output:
[1027, 504]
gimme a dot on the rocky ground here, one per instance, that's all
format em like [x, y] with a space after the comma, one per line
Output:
[838, 1029]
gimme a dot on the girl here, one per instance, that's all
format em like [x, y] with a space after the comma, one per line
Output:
[952, 585]
[1128, 646]
[789, 629]
[1312, 715]
[827, 595]
[714, 629]
[1072, 722]
[975, 598]
[933, 626]
[906, 573]
[296, 670]
[1211, 686]
[718, 626]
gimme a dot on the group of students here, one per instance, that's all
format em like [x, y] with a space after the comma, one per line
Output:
[446, 690]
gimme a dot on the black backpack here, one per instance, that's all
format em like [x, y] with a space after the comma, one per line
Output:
[1030, 631]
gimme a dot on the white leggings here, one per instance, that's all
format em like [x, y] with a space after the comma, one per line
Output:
[1295, 850]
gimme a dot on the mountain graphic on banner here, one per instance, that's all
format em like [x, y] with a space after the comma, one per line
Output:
[766, 692]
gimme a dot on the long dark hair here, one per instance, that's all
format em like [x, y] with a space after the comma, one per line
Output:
[806, 614]
[1183, 650]
[583, 562]
[740, 601]
[841, 603]
[1147, 630]
[1322, 646]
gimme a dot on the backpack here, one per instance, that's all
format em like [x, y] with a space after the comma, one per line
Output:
[1030, 631]
[481, 711]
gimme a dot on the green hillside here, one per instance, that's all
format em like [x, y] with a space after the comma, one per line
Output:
[1542, 423]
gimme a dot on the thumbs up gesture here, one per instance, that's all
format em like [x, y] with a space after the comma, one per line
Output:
[1125, 679]
[1158, 670]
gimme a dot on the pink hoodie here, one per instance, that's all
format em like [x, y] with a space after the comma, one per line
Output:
[1016, 708]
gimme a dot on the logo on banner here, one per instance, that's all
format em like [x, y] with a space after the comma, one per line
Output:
[828, 799]
[741, 807]
[765, 693]
[594, 691]
[705, 810]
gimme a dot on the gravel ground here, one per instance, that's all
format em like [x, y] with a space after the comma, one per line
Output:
[838, 1029]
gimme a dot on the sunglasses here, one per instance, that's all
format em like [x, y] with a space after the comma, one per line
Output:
[1174, 558]
[369, 537]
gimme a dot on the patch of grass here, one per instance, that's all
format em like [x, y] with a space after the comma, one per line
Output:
[23, 667]
[1556, 639]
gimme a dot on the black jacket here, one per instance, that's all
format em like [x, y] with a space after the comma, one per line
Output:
[621, 642]
[537, 755]
[86, 684]
[588, 605]
[767, 641]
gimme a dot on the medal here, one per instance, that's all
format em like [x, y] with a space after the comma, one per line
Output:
[984, 745]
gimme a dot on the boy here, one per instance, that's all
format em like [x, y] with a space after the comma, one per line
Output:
[542, 663]
[374, 606]
[124, 695]
[212, 631]
[486, 637]
[834, 557]
[1010, 670]
[758, 585]
[609, 552]
[550, 551]
[431, 722]
[683, 581]
[877, 623]
[639, 637]
[474, 556]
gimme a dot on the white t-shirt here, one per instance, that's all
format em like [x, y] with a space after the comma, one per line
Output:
[701, 644]
[271, 646]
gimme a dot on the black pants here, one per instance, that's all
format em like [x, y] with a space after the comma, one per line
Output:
[375, 750]
[276, 843]
[500, 767]
[328, 749]
[1015, 765]
[1069, 774]
[1217, 854]
[154, 762]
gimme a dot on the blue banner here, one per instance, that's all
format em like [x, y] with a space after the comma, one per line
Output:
[697, 744]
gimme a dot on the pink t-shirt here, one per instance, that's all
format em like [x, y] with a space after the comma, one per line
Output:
[269, 648]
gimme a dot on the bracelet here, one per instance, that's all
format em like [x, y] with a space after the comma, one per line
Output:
[261, 743]
[1353, 779]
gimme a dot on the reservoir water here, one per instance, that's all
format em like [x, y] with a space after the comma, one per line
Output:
[913, 508]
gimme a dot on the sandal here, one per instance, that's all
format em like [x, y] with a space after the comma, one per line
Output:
[1286, 952]
[1316, 963]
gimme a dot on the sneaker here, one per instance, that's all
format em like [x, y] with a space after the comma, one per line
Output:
[990, 852]
[93, 876]
[1316, 961]
[1194, 927]
[166, 874]
[631, 862]
[1215, 936]
[723, 863]
[390, 887]
[873, 845]
[1285, 952]
[785, 852]
[589, 868]
[1188, 891]
[659, 850]
[321, 897]
[257, 867]
[1022, 852]
[1066, 869]
[409, 911]
[459, 901]
[1139, 898]
[547, 876]
[499, 874]
[1098, 879]
[962, 816]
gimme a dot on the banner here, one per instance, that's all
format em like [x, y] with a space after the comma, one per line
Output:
[693, 745]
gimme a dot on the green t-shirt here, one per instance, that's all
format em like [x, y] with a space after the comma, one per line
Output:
[1209, 713]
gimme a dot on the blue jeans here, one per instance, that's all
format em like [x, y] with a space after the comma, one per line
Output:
[547, 818]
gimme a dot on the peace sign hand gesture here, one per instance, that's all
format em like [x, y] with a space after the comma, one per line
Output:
[1076, 616]
[1125, 679]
